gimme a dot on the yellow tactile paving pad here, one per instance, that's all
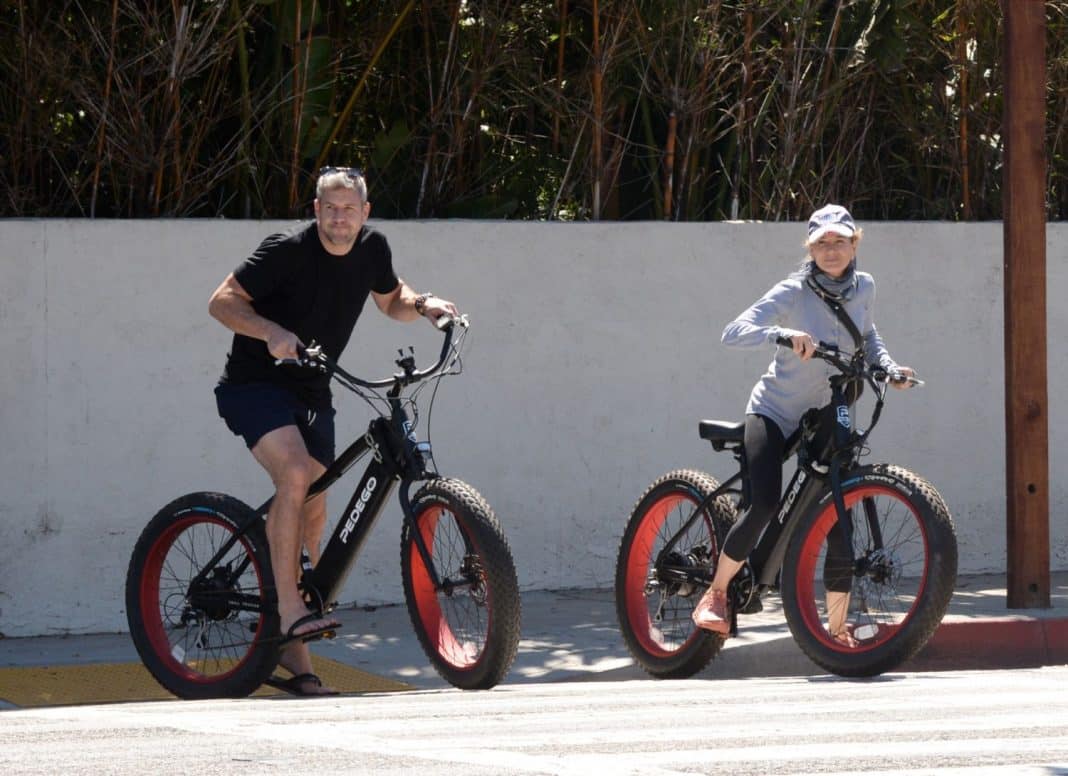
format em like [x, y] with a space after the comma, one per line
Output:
[70, 685]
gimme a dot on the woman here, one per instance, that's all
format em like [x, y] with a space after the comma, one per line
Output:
[798, 308]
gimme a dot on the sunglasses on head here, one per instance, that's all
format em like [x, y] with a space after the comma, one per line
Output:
[352, 172]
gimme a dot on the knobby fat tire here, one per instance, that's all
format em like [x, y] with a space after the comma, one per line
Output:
[253, 662]
[482, 531]
[697, 647]
[940, 547]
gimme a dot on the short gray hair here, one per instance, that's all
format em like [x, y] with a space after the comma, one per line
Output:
[341, 178]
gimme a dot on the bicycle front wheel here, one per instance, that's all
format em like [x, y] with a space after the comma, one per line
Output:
[656, 591]
[469, 624]
[203, 632]
[882, 585]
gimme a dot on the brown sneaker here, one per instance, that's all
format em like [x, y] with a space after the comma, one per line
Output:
[712, 612]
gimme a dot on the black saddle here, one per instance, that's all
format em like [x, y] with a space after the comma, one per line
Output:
[721, 433]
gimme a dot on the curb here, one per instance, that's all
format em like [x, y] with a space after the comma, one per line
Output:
[995, 642]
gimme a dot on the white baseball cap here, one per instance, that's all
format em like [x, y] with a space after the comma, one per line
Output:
[830, 218]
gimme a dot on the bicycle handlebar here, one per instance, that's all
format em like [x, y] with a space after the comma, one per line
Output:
[313, 357]
[831, 355]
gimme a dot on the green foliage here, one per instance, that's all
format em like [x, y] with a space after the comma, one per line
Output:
[687, 110]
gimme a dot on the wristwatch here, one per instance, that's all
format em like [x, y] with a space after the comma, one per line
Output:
[420, 302]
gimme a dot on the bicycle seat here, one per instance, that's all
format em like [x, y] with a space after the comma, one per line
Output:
[721, 433]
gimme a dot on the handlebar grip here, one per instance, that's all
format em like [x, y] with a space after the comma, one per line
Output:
[821, 346]
[302, 358]
[897, 377]
[446, 321]
[884, 376]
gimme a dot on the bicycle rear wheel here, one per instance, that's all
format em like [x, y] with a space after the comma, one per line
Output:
[469, 627]
[653, 602]
[208, 639]
[892, 585]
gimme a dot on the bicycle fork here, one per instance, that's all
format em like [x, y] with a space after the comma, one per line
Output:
[417, 534]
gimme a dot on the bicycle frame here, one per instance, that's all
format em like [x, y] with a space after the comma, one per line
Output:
[806, 487]
[764, 562]
[397, 457]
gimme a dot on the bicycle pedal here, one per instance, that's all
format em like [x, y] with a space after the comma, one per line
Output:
[318, 636]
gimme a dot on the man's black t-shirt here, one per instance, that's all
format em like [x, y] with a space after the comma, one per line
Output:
[294, 282]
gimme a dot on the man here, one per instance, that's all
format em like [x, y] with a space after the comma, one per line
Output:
[307, 284]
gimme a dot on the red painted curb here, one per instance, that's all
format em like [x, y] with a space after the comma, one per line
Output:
[996, 642]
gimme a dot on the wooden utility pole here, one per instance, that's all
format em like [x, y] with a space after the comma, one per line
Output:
[1026, 401]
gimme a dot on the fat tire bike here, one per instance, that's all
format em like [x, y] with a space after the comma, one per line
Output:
[892, 544]
[200, 597]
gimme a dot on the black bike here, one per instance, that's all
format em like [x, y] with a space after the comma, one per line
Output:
[879, 536]
[200, 595]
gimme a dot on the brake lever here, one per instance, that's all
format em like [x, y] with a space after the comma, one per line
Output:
[898, 377]
[885, 376]
[307, 357]
[445, 320]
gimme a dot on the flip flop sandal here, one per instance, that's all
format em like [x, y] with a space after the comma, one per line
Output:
[845, 638]
[294, 685]
[324, 632]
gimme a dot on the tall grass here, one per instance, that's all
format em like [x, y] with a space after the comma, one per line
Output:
[551, 109]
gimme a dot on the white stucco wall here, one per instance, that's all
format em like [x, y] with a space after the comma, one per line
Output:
[593, 353]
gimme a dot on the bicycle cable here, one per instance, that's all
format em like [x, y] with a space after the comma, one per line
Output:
[380, 403]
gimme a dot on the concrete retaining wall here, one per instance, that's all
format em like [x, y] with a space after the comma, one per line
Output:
[594, 351]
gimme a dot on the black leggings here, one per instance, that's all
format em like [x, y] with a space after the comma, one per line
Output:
[764, 448]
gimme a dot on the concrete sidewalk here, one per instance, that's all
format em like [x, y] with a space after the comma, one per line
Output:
[573, 635]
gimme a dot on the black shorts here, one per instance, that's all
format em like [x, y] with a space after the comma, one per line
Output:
[254, 409]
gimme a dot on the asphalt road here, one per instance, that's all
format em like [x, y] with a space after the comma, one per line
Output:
[961, 722]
